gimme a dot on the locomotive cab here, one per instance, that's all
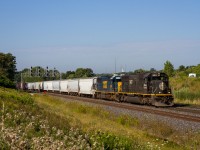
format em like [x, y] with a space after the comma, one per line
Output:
[157, 83]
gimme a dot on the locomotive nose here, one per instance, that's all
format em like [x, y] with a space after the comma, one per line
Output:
[162, 86]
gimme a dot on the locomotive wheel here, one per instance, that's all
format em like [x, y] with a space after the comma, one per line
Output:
[117, 98]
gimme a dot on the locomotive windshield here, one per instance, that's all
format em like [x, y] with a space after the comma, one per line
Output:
[159, 76]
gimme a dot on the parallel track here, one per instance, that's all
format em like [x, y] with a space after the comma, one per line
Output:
[171, 114]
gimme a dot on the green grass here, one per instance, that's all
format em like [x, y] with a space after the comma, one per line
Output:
[13, 95]
[186, 90]
[35, 121]
[146, 134]
[27, 125]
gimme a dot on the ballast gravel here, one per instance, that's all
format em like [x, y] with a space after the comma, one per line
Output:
[144, 117]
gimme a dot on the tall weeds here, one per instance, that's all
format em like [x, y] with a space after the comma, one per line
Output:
[186, 90]
[27, 126]
[37, 122]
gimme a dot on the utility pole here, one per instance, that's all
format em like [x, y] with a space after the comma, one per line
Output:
[21, 81]
[115, 65]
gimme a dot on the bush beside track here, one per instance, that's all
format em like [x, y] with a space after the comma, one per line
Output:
[186, 90]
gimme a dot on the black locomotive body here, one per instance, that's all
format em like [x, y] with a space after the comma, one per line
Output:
[142, 88]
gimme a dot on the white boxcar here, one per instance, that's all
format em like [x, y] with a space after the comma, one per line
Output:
[30, 86]
[48, 86]
[56, 85]
[73, 86]
[63, 86]
[86, 86]
[38, 85]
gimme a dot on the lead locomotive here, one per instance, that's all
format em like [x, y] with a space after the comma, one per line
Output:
[142, 88]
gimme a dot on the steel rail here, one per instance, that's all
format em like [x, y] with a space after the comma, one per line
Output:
[132, 107]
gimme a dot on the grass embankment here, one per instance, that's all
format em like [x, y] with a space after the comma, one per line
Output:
[37, 122]
[186, 90]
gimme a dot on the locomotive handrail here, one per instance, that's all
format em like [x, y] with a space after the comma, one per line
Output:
[130, 93]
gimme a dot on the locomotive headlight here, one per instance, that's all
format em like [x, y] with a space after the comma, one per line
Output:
[162, 86]
[145, 86]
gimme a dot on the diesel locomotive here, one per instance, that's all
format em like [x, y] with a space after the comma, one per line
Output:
[143, 88]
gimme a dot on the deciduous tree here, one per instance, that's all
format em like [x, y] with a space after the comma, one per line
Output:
[7, 69]
[169, 68]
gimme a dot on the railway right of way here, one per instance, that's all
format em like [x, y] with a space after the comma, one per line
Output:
[171, 113]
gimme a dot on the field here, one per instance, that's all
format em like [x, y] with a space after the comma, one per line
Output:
[39, 121]
[186, 90]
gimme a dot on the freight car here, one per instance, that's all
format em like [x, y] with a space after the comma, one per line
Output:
[142, 88]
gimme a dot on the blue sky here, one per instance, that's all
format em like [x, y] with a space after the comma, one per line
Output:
[68, 34]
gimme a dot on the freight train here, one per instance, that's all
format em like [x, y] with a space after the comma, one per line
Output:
[142, 88]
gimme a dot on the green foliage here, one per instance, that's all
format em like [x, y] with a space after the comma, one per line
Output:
[183, 71]
[185, 88]
[5, 82]
[109, 141]
[37, 74]
[196, 69]
[186, 95]
[140, 71]
[142, 134]
[181, 68]
[4, 145]
[51, 75]
[32, 79]
[80, 73]
[20, 97]
[168, 68]
[70, 74]
[30, 127]
[7, 69]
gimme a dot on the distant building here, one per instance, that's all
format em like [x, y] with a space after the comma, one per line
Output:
[193, 75]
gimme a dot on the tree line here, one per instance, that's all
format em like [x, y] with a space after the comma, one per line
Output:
[42, 74]
[9, 75]
[182, 71]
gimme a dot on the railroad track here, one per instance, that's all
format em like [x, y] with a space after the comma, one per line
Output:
[192, 110]
[151, 110]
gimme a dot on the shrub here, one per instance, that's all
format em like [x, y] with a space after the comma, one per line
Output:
[21, 97]
[185, 95]
[109, 141]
